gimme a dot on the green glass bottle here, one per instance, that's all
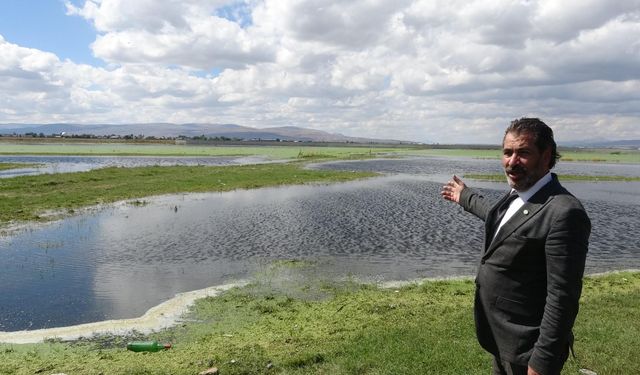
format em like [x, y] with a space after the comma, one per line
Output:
[146, 346]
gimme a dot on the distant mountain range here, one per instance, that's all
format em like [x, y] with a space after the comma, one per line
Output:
[288, 133]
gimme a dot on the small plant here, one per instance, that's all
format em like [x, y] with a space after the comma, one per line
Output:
[138, 203]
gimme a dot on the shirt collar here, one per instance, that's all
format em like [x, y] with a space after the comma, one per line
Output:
[527, 194]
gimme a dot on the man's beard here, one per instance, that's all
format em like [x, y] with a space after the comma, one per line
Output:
[528, 179]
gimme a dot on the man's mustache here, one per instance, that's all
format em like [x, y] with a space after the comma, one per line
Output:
[515, 169]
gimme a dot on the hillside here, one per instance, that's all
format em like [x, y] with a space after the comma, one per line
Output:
[288, 133]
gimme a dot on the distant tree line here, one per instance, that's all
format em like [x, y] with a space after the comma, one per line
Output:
[119, 136]
[205, 138]
[198, 139]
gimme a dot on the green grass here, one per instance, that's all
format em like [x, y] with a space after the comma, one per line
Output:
[352, 329]
[454, 152]
[27, 197]
[617, 156]
[608, 156]
[499, 177]
[608, 328]
[6, 166]
[272, 152]
[289, 151]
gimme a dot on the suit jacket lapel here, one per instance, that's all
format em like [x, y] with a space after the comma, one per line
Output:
[488, 222]
[535, 204]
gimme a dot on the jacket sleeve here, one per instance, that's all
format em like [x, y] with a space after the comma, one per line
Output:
[472, 201]
[565, 253]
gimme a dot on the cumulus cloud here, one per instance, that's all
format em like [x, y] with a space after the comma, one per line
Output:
[38, 87]
[185, 33]
[441, 70]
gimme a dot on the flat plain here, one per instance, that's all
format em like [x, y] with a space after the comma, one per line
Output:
[424, 327]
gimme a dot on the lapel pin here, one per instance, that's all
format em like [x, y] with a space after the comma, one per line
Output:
[526, 212]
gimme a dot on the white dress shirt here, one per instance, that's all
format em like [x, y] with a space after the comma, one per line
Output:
[523, 197]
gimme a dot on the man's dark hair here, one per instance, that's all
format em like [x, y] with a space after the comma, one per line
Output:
[542, 135]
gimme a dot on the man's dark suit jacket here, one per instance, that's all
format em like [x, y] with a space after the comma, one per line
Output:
[530, 277]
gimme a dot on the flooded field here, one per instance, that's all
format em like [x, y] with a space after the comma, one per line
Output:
[65, 164]
[120, 261]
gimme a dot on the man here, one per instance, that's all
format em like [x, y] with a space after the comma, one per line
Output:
[530, 274]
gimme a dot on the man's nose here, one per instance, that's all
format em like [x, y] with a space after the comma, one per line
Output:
[514, 159]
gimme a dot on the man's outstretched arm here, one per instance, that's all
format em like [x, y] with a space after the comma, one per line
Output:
[457, 191]
[451, 191]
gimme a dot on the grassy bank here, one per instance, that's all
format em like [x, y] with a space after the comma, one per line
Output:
[604, 156]
[133, 149]
[30, 197]
[288, 151]
[342, 328]
[7, 166]
[499, 177]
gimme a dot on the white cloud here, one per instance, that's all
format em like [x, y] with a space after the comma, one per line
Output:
[185, 33]
[563, 21]
[353, 24]
[448, 71]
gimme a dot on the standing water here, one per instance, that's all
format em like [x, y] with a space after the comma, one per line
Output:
[120, 261]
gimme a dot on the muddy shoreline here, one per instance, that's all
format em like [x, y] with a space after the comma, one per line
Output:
[169, 313]
[158, 317]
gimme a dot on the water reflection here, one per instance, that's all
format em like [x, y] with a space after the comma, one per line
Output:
[440, 169]
[65, 164]
[122, 260]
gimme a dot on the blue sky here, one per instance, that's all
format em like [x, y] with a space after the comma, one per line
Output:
[448, 71]
[44, 25]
